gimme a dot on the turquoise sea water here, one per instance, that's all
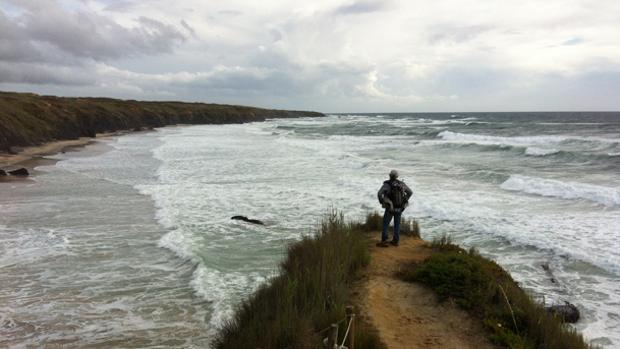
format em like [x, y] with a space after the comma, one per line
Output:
[130, 242]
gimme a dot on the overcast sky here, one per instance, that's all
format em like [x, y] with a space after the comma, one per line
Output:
[331, 56]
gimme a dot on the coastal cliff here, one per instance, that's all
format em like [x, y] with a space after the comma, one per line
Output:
[28, 119]
[418, 295]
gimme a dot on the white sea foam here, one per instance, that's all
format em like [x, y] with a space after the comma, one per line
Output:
[566, 190]
[209, 283]
[534, 151]
[542, 140]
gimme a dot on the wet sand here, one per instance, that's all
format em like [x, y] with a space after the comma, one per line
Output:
[32, 157]
[7, 161]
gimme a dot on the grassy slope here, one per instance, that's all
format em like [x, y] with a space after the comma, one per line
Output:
[311, 292]
[29, 119]
[314, 287]
[488, 292]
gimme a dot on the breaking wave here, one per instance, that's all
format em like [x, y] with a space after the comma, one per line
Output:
[546, 140]
[606, 196]
[534, 151]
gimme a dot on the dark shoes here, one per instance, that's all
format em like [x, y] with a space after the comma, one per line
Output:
[387, 244]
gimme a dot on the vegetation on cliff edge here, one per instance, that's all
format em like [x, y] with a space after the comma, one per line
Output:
[28, 119]
[489, 293]
[311, 292]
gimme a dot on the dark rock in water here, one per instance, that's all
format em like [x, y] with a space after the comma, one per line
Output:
[246, 219]
[2, 173]
[566, 312]
[22, 172]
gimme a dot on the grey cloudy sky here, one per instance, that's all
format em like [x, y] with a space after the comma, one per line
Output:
[331, 56]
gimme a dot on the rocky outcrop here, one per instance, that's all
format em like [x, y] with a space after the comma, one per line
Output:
[567, 312]
[21, 172]
[246, 219]
[28, 119]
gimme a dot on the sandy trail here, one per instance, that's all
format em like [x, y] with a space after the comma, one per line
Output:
[408, 315]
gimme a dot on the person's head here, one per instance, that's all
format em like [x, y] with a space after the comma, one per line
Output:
[393, 174]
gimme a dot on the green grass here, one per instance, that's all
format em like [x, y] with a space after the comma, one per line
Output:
[489, 293]
[311, 292]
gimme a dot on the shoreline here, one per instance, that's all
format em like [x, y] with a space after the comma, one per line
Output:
[29, 119]
[50, 148]
[29, 157]
[34, 156]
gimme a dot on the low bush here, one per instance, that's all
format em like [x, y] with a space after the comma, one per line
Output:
[484, 289]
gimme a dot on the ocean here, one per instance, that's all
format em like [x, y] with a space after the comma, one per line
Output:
[129, 242]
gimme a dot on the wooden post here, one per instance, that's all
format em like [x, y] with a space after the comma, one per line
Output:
[332, 340]
[351, 336]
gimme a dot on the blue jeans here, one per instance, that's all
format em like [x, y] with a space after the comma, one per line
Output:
[387, 218]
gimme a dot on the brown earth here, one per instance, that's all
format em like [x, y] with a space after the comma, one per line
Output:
[408, 315]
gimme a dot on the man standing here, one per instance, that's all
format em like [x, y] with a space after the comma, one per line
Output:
[393, 196]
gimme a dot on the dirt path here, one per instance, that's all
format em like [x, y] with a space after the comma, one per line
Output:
[408, 315]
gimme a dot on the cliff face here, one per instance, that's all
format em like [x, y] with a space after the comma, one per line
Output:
[29, 119]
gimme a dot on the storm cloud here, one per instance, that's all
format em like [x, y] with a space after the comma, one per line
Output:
[47, 26]
[365, 55]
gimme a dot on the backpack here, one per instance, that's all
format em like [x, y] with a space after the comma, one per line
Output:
[397, 194]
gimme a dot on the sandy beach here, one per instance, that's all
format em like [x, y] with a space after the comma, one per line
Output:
[31, 157]
[28, 153]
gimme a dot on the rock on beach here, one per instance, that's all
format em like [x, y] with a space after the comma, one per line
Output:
[22, 172]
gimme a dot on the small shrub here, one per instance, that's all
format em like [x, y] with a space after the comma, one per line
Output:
[485, 290]
[374, 222]
[443, 243]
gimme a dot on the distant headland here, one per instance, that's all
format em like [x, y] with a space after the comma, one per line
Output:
[28, 119]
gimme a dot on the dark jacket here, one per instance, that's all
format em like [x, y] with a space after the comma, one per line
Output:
[384, 193]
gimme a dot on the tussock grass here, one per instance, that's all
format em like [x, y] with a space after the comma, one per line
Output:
[311, 292]
[410, 227]
[374, 222]
[484, 289]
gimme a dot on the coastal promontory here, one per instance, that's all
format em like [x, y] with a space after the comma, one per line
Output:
[28, 119]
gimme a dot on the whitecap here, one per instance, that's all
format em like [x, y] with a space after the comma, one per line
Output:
[541, 140]
[534, 151]
[606, 196]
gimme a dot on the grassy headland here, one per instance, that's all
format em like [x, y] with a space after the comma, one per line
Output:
[28, 119]
[316, 281]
